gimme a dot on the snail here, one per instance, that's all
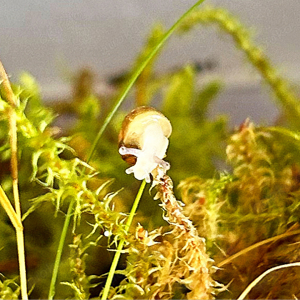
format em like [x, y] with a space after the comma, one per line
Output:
[143, 141]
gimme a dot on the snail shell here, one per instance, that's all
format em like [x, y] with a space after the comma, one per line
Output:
[134, 125]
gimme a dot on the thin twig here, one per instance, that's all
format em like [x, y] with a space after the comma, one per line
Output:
[10, 97]
[256, 245]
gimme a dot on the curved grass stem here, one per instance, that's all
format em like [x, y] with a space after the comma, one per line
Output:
[228, 23]
[122, 241]
[136, 74]
[259, 278]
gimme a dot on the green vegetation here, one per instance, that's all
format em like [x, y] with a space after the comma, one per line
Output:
[225, 229]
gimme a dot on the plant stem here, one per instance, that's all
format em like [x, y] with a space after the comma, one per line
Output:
[256, 245]
[136, 74]
[60, 249]
[10, 97]
[10, 210]
[22, 264]
[122, 241]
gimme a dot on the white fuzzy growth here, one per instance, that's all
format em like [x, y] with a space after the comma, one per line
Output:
[154, 146]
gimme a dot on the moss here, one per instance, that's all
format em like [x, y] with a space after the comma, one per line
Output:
[226, 229]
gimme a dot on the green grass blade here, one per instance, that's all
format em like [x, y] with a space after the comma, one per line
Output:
[122, 241]
[60, 249]
[135, 75]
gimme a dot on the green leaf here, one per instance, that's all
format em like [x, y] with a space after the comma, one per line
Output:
[180, 93]
[203, 99]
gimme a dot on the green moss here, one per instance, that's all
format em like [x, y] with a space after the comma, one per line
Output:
[173, 253]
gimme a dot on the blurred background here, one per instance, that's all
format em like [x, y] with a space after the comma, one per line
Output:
[52, 39]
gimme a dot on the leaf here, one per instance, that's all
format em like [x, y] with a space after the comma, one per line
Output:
[203, 99]
[180, 93]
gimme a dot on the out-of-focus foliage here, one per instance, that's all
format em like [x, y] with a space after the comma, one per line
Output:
[9, 290]
[242, 37]
[259, 200]
[187, 107]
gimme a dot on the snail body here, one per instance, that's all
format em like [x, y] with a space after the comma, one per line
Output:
[143, 141]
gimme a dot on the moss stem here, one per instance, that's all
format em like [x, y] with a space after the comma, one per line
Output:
[122, 241]
[256, 56]
[11, 99]
[60, 249]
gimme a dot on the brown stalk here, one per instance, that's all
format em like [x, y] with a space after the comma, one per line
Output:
[191, 249]
[256, 245]
[11, 99]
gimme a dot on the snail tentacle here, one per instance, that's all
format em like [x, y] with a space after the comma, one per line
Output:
[129, 151]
